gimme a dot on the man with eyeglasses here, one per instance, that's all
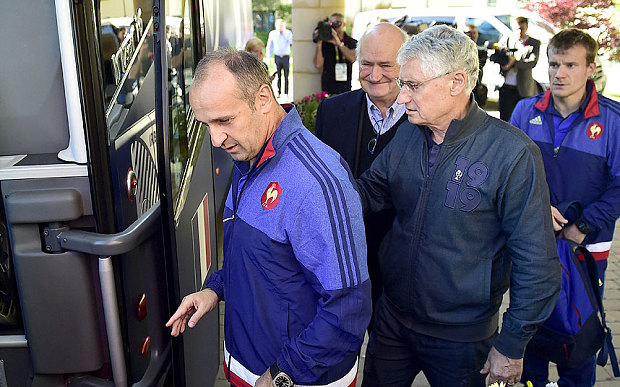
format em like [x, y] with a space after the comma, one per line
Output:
[360, 123]
[472, 220]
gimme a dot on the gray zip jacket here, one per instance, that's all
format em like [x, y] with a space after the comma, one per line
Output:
[479, 223]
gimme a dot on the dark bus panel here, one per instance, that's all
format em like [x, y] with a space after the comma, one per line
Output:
[110, 190]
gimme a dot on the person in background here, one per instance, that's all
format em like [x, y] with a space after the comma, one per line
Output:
[121, 33]
[294, 274]
[335, 58]
[480, 90]
[279, 45]
[256, 47]
[518, 80]
[472, 220]
[577, 131]
[359, 124]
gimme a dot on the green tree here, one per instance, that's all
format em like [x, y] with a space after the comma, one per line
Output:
[280, 10]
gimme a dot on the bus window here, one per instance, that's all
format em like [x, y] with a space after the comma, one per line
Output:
[122, 29]
[186, 134]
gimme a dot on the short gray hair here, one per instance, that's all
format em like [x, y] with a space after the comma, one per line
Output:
[374, 29]
[249, 72]
[442, 49]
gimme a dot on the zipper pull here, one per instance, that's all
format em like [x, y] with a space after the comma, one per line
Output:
[555, 152]
[227, 219]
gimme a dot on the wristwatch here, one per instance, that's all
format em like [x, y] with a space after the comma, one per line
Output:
[583, 226]
[279, 377]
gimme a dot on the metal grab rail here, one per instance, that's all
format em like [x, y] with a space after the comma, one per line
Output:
[106, 245]
[112, 244]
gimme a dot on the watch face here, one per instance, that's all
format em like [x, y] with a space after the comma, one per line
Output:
[283, 381]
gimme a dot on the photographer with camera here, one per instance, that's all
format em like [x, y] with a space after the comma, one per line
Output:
[517, 59]
[334, 55]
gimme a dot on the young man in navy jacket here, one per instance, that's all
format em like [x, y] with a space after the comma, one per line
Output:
[577, 131]
[294, 274]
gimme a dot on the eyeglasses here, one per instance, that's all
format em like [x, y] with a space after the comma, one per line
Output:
[372, 144]
[414, 86]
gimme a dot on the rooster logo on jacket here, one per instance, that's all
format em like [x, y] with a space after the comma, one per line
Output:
[595, 130]
[271, 196]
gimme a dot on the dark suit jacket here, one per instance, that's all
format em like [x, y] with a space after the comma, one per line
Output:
[337, 121]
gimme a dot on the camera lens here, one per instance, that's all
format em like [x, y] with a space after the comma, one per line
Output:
[336, 24]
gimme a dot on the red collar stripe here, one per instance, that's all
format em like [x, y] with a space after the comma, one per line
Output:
[591, 110]
[268, 153]
[592, 106]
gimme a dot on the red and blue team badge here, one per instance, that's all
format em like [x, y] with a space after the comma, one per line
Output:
[271, 196]
[594, 131]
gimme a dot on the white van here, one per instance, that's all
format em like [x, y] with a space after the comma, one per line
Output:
[495, 25]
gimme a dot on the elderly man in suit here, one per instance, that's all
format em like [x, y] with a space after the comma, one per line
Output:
[359, 124]
[518, 80]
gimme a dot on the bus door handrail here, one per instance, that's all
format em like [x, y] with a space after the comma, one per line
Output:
[112, 244]
[106, 246]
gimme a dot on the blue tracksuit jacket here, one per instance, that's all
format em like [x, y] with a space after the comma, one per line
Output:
[586, 165]
[294, 275]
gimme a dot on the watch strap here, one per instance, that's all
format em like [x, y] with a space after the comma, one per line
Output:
[274, 370]
[583, 226]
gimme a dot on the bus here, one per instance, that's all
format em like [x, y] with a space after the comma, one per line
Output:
[110, 190]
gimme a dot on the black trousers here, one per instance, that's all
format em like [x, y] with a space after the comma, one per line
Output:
[282, 65]
[508, 98]
[396, 354]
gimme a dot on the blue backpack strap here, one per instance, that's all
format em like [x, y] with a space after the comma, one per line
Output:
[607, 351]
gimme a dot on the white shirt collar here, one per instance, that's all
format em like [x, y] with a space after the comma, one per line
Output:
[393, 114]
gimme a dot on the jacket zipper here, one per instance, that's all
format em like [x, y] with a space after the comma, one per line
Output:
[417, 227]
[556, 150]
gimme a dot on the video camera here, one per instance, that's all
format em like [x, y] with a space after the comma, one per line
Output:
[501, 55]
[323, 30]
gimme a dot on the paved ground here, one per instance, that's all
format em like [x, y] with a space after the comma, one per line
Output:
[611, 301]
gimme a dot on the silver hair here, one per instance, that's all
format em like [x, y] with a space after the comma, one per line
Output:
[442, 49]
[249, 72]
[373, 29]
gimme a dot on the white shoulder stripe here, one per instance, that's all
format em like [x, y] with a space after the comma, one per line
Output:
[599, 247]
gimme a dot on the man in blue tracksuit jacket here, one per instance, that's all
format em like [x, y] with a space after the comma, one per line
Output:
[294, 275]
[472, 220]
[578, 133]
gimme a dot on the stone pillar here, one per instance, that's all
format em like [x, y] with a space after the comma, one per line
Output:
[306, 13]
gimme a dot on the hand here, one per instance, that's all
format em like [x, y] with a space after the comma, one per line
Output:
[502, 368]
[335, 40]
[572, 233]
[558, 220]
[264, 380]
[511, 62]
[192, 308]
[315, 35]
